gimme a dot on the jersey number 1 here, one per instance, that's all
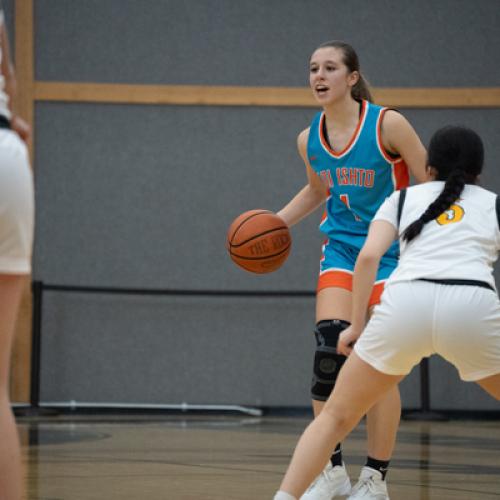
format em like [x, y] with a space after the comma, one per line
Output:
[345, 199]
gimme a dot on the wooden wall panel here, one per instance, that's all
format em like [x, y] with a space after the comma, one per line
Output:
[476, 97]
[24, 106]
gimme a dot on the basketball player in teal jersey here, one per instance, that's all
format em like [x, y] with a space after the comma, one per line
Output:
[16, 233]
[356, 154]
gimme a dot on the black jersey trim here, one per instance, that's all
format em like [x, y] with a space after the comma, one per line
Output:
[401, 202]
[497, 208]
[481, 284]
[4, 122]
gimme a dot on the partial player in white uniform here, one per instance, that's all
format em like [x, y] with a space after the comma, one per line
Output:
[440, 299]
[16, 230]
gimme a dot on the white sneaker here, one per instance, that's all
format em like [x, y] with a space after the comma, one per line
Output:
[370, 486]
[332, 482]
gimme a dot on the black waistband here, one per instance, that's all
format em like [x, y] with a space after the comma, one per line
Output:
[481, 284]
[4, 122]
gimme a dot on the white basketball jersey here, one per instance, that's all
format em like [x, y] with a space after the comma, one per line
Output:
[462, 243]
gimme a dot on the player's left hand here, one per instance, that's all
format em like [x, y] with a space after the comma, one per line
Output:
[21, 127]
[346, 341]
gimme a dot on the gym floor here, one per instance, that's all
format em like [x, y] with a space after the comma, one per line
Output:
[234, 457]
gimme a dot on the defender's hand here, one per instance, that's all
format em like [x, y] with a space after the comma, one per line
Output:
[346, 341]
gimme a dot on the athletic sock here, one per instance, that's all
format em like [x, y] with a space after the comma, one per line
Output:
[379, 465]
[336, 458]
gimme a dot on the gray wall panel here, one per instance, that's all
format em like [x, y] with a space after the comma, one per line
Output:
[143, 196]
[212, 350]
[170, 350]
[265, 42]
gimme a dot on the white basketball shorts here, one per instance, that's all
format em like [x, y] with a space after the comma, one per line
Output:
[416, 319]
[16, 205]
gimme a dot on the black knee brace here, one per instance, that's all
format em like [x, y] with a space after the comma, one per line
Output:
[327, 363]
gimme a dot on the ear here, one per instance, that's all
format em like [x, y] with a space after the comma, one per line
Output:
[353, 78]
[432, 173]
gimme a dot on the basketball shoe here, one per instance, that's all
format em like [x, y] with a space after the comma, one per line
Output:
[332, 482]
[370, 486]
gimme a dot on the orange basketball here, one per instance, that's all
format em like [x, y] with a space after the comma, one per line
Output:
[258, 241]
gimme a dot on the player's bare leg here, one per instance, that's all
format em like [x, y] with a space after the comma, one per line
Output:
[331, 303]
[10, 456]
[358, 388]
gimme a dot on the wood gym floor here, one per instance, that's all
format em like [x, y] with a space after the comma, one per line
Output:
[208, 457]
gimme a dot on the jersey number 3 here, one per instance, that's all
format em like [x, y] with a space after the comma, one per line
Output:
[454, 214]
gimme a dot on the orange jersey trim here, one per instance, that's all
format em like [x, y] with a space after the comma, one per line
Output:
[377, 291]
[399, 168]
[401, 175]
[352, 140]
[341, 279]
[385, 154]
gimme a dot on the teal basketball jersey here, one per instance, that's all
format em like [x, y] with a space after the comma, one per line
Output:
[358, 179]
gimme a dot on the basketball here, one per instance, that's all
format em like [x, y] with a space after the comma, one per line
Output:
[258, 241]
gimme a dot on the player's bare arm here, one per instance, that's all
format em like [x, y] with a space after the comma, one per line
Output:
[380, 237]
[311, 196]
[399, 137]
[7, 67]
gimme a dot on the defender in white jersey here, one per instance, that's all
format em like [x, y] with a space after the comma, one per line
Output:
[441, 298]
[16, 234]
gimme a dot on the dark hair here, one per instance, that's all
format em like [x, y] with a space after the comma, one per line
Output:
[457, 154]
[361, 90]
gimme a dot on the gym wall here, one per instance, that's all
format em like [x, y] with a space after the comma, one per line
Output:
[136, 195]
